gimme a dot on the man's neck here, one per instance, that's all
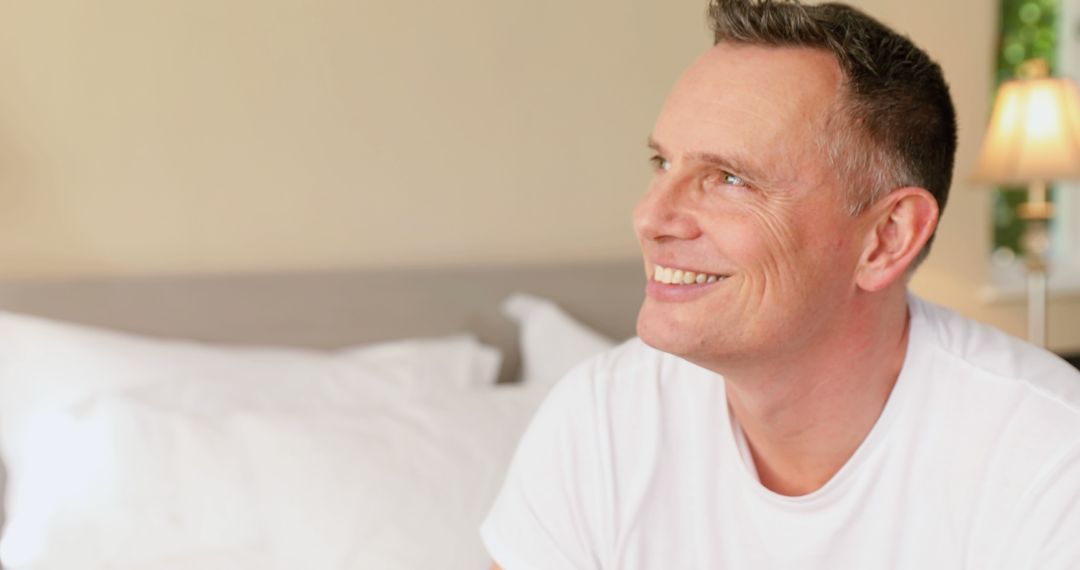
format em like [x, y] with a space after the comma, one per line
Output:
[805, 415]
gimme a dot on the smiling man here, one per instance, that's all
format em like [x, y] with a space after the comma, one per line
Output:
[788, 404]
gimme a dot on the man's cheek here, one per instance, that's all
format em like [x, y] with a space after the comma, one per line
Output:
[776, 228]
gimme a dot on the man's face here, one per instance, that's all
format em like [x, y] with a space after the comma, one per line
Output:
[743, 193]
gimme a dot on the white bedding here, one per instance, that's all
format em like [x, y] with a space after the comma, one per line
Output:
[130, 453]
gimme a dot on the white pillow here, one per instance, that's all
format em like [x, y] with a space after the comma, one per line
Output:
[328, 483]
[552, 342]
[69, 361]
[56, 381]
[403, 489]
[111, 485]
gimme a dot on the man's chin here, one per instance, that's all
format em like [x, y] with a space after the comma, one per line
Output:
[663, 345]
[670, 337]
[690, 340]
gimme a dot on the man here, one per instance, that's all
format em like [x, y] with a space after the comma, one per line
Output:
[788, 404]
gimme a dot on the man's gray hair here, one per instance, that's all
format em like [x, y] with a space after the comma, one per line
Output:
[894, 125]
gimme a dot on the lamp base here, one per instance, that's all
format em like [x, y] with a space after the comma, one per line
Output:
[1036, 213]
[1036, 289]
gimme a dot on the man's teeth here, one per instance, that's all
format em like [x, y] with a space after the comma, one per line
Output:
[679, 277]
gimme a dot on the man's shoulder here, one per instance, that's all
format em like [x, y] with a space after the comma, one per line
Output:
[979, 405]
[635, 362]
[631, 358]
[627, 377]
[973, 351]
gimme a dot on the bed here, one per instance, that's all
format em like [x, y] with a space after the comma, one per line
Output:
[333, 420]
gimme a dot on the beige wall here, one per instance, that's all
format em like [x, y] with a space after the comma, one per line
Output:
[146, 136]
[153, 136]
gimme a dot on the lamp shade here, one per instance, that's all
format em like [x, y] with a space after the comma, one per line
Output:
[1034, 133]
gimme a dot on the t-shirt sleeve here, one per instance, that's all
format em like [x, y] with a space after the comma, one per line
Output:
[1047, 535]
[548, 512]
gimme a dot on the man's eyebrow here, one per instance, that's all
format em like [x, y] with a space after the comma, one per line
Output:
[735, 164]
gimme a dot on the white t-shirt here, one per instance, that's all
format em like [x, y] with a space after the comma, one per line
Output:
[633, 462]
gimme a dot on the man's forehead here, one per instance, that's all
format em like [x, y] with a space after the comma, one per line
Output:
[752, 99]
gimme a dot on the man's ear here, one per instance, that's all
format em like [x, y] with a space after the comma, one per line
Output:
[900, 224]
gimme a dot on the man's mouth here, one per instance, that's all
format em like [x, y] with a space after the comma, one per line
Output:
[670, 276]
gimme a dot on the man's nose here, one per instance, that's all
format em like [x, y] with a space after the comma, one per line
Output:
[664, 213]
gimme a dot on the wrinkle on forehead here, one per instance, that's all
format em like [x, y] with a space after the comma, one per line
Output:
[769, 102]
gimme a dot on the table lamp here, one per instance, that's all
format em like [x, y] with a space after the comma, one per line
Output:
[1033, 139]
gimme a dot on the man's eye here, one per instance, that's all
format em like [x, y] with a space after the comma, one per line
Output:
[732, 179]
[724, 179]
[660, 163]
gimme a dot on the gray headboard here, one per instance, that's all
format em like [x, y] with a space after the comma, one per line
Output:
[334, 309]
